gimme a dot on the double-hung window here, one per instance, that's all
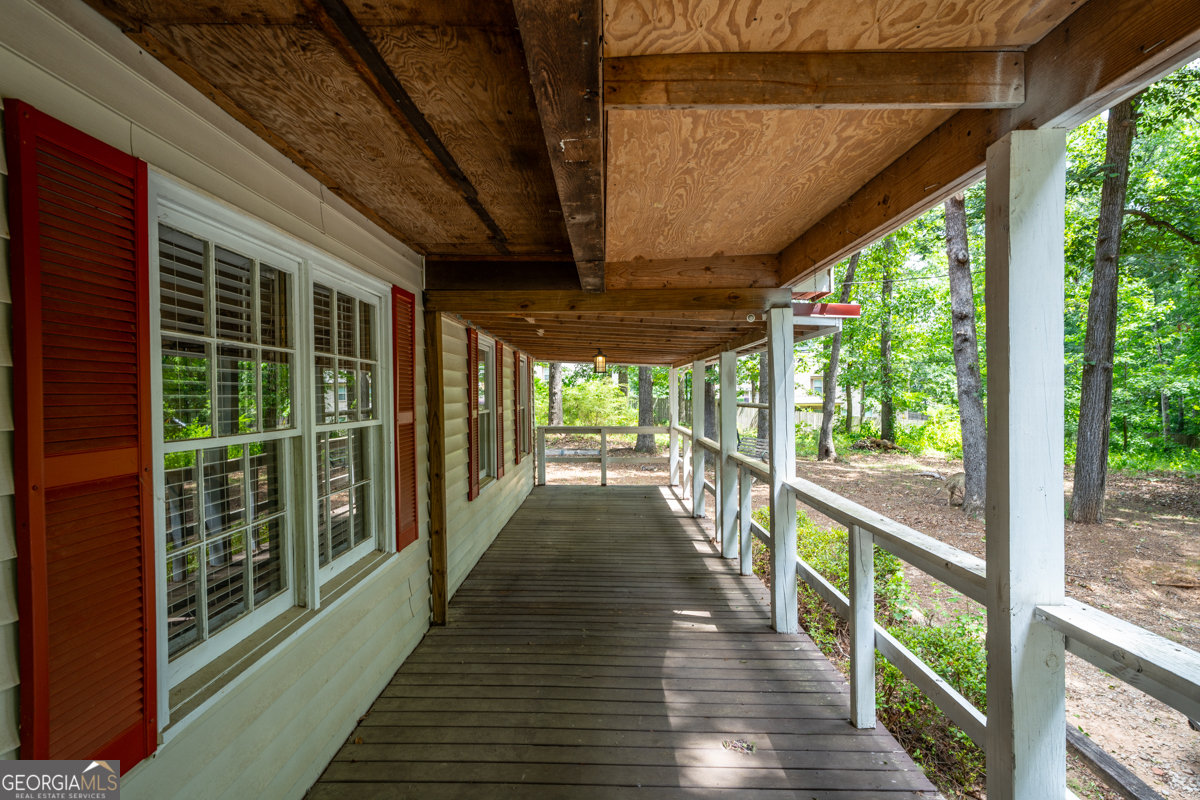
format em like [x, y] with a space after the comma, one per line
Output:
[486, 383]
[523, 403]
[227, 323]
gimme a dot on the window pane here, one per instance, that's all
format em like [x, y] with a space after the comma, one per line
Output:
[482, 380]
[326, 391]
[183, 523]
[269, 578]
[266, 482]
[339, 522]
[225, 576]
[322, 459]
[185, 390]
[322, 319]
[366, 331]
[233, 315]
[237, 395]
[275, 318]
[366, 391]
[361, 514]
[323, 532]
[182, 588]
[347, 391]
[339, 460]
[181, 281]
[276, 390]
[345, 325]
[224, 483]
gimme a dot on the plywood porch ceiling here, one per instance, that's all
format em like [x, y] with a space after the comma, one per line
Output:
[461, 63]
[689, 183]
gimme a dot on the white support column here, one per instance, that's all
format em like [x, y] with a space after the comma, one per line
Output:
[782, 435]
[672, 422]
[745, 536]
[727, 468]
[541, 456]
[1026, 180]
[603, 458]
[862, 628]
[697, 433]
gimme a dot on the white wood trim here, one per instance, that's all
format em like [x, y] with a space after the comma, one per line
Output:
[1026, 188]
[745, 518]
[862, 628]
[782, 448]
[697, 452]
[673, 423]
[727, 468]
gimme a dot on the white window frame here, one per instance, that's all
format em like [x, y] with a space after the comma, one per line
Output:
[190, 211]
[523, 389]
[487, 441]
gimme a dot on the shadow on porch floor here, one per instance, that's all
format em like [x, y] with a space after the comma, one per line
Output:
[602, 648]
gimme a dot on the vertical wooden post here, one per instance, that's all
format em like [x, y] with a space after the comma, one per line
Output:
[603, 457]
[685, 468]
[697, 434]
[782, 436]
[745, 536]
[541, 457]
[862, 628]
[1026, 179]
[727, 468]
[672, 422]
[436, 398]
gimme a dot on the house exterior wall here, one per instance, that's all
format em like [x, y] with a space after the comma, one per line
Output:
[270, 730]
[472, 525]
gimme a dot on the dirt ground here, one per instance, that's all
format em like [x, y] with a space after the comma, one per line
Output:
[1142, 565]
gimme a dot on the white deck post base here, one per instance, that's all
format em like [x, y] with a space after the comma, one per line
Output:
[697, 434]
[1026, 179]
[784, 615]
[727, 468]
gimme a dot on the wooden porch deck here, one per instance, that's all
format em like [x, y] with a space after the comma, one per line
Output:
[603, 648]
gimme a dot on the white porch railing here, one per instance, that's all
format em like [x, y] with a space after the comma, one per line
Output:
[602, 458]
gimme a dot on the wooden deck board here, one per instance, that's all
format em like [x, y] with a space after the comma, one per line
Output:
[603, 648]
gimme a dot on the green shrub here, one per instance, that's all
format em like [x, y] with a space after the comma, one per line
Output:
[941, 433]
[597, 402]
[955, 652]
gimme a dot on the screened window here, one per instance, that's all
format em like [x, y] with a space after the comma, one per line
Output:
[487, 410]
[227, 387]
[344, 342]
[344, 491]
[523, 403]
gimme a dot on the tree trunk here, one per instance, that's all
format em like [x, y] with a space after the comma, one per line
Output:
[966, 357]
[623, 380]
[645, 441]
[862, 404]
[887, 412]
[1095, 395]
[710, 416]
[1164, 405]
[556, 410]
[825, 450]
[764, 391]
[849, 409]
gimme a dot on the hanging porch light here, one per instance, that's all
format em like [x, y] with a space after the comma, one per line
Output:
[600, 361]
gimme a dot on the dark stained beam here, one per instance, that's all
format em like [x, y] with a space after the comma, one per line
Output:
[562, 48]
[1103, 53]
[846, 79]
[503, 276]
[340, 25]
[534, 302]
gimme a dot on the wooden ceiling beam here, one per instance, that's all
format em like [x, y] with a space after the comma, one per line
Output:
[507, 275]
[842, 79]
[594, 322]
[562, 48]
[534, 302]
[715, 272]
[1104, 52]
[343, 30]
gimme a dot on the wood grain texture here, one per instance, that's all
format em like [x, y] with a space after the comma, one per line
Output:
[721, 272]
[473, 87]
[295, 83]
[642, 27]
[748, 81]
[600, 642]
[1104, 52]
[562, 48]
[593, 303]
[708, 183]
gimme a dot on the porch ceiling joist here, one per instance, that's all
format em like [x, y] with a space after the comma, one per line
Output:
[844, 79]
[562, 47]
[633, 300]
[1104, 52]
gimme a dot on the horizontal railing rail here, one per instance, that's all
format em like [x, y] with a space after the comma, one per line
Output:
[602, 457]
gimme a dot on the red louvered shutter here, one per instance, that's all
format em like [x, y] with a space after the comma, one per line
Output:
[499, 410]
[81, 336]
[517, 407]
[528, 421]
[404, 327]
[472, 414]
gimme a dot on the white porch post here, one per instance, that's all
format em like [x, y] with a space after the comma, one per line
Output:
[672, 421]
[745, 535]
[784, 616]
[1026, 179]
[697, 433]
[862, 628]
[727, 507]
